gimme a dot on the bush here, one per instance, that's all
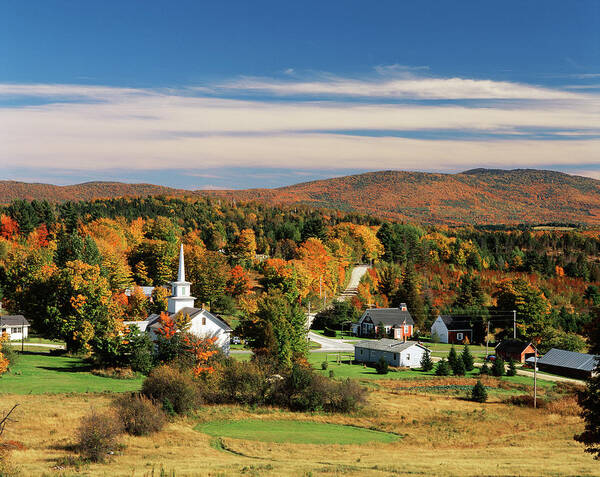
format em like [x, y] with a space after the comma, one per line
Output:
[525, 400]
[382, 366]
[324, 365]
[239, 382]
[479, 393]
[498, 367]
[442, 368]
[485, 369]
[139, 415]
[426, 362]
[9, 353]
[435, 338]
[329, 332]
[174, 389]
[331, 373]
[467, 358]
[141, 352]
[97, 435]
[512, 370]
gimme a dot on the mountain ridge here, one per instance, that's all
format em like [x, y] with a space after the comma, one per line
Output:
[476, 196]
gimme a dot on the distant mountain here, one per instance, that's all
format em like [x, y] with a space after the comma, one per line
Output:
[11, 190]
[478, 196]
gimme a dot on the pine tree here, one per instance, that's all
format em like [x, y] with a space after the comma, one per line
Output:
[479, 393]
[512, 370]
[442, 368]
[459, 368]
[498, 367]
[467, 358]
[426, 362]
[485, 369]
[452, 357]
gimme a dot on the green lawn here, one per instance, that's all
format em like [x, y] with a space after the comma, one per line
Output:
[40, 373]
[294, 432]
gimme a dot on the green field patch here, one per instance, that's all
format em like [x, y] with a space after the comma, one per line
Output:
[42, 373]
[294, 432]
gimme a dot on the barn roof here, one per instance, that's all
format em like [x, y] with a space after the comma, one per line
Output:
[13, 320]
[456, 323]
[512, 346]
[388, 316]
[386, 344]
[569, 359]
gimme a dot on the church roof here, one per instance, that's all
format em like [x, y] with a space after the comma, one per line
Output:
[154, 319]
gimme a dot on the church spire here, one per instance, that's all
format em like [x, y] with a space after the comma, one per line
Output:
[181, 272]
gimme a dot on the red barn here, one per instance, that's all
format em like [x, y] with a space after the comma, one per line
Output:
[515, 349]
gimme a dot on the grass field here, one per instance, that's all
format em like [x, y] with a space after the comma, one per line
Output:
[38, 372]
[294, 432]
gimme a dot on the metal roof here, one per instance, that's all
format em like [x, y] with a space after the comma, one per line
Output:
[388, 316]
[512, 346]
[386, 344]
[456, 323]
[13, 320]
[569, 359]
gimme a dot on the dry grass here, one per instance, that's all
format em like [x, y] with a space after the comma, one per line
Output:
[442, 436]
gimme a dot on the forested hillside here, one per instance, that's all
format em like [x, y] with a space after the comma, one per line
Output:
[66, 267]
[478, 197]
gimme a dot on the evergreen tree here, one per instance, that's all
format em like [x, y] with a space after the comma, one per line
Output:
[426, 362]
[459, 368]
[589, 399]
[498, 367]
[485, 369]
[467, 358]
[409, 293]
[479, 393]
[442, 368]
[382, 366]
[452, 357]
[512, 370]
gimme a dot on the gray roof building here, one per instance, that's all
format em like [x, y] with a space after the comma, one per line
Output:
[13, 320]
[388, 316]
[568, 363]
[386, 344]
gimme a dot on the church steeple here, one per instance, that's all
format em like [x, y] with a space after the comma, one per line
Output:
[181, 272]
[180, 290]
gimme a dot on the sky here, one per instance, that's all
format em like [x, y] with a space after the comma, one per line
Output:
[211, 95]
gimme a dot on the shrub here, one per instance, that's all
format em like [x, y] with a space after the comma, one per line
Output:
[97, 435]
[479, 393]
[9, 353]
[426, 362]
[467, 358]
[141, 352]
[331, 373]
[174, 389]
[324, 365]
[485, 369]
[382, 366]
[239, 382]
[329, 332]
[498, 367]
[525, 400]
[512, 370]
[442, 368]
[139, 415]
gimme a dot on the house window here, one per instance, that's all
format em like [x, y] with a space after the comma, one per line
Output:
[406, 329]
[395, 355]
[203, 320]
[361, 351]
[408, 357]
[459, 336]
[15, 330]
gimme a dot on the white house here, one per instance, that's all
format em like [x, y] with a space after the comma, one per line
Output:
[203, 323]
[452, 329]
[16, 327]
[396, 353]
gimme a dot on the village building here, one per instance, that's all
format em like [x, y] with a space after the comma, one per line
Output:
[397, 322]
[452, 329]
[396, 353]
[202, 323]
[568, 363]
[16, 327]
[516, 350]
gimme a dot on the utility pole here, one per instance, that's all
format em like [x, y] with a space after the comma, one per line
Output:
[487, 339]
[535, 378]
[515, 324]
[22, 334]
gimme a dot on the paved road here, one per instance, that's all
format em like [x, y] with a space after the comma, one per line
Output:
[17, 344]
[330, 344]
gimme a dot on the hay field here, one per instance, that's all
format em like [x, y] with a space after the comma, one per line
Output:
[442, 435]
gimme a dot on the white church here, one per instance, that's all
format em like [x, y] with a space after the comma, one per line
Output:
[203, 323]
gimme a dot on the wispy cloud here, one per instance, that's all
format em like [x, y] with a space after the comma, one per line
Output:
[99, 128]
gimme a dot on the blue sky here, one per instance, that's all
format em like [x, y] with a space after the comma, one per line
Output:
[261, 94]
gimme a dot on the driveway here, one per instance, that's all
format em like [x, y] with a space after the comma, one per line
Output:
[330, 344]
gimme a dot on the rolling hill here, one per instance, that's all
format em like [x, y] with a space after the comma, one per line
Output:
[478, 196]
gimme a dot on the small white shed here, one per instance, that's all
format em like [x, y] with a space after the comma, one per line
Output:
[396, 353]
[16, 327]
